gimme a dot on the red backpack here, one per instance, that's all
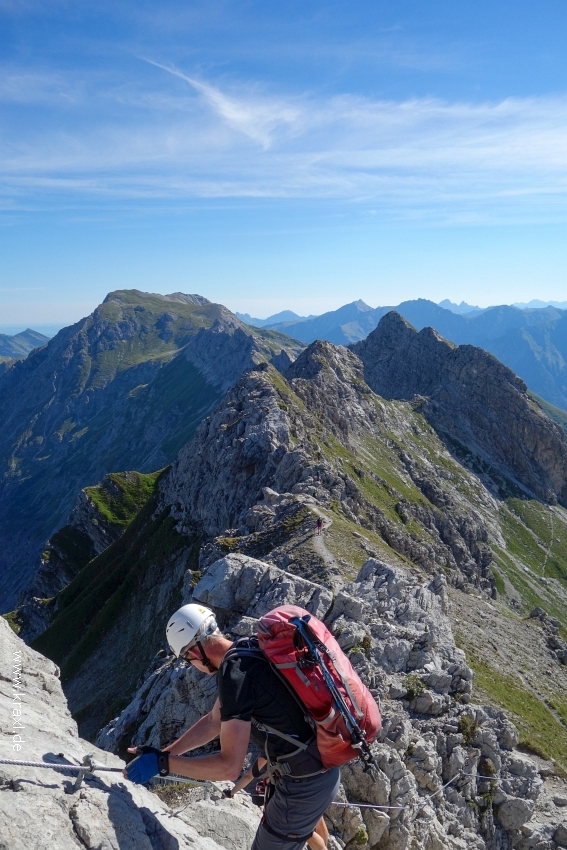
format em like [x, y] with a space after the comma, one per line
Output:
[308, 657]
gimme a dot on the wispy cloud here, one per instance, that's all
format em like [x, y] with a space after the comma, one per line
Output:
[257, 118]
[195, 139]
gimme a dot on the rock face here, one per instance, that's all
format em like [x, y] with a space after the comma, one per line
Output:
[124, 388]
[469, 396]
[99, 518]
[449, 768]
[36, 813]
[265, 435]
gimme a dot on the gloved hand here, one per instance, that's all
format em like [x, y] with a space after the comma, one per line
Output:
[150, 762]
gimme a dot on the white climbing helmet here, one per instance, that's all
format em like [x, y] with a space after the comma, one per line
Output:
[188, 624]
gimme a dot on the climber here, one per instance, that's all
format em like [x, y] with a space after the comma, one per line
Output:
[320, 837]
[319, 525]
[253, 704]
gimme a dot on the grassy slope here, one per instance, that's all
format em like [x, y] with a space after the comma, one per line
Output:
[535, 536]
[556, 413]
[125, 497]
[112, 589]
[91, 603]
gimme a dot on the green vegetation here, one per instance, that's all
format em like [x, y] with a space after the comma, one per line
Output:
[499, 582]
[414, 686]
[75, 546]
[540, 731]
[122, 495]
[468, 727]
[229, 544]
[285, 392]
[361, 836]
[536, 539]
[556, 413]
[262, 542]
[90, 605]
[12, 620]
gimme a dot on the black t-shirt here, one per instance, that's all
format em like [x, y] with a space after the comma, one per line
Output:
[250, 690]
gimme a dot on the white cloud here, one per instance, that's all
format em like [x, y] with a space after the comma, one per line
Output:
[193, 139]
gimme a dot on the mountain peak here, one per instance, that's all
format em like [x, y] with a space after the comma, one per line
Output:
[464, 392]
[175, 297]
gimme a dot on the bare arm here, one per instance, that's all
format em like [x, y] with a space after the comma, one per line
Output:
[227, 764]
[246, 778]
[202, 732]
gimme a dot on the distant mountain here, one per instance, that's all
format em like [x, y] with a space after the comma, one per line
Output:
[343, 326]
[124, 388]
[531, 342]
[536, 304]
[463, 308]
[284, 316]
[21, 344]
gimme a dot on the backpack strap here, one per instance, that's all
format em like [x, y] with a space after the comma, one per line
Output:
[249, 648]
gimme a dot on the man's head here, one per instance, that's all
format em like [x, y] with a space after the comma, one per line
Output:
[188, 631]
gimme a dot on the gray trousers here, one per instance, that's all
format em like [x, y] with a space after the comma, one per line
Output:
[296, 807]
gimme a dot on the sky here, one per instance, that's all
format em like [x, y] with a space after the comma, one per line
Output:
[280, 155]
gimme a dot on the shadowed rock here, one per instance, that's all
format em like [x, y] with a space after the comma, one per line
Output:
[472, 399]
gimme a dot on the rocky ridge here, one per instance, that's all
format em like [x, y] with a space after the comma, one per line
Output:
[124, 388]
[295, 437]
[449, 769]
[38, 809]
[277, 453]
[478, 404]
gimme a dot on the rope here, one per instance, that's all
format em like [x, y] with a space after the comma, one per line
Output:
[423, 801]
[183, 780]
[90, 767]
[60, 766]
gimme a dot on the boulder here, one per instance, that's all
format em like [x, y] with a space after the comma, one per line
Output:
[39, 811]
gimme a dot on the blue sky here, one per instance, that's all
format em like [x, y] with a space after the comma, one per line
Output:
[273, 155]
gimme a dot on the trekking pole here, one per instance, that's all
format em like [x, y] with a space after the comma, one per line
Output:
[358, 737]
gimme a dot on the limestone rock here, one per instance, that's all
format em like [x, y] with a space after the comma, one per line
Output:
[36, 813]
[415, 753]
[231, 823]
[241, 585]
[514, 812]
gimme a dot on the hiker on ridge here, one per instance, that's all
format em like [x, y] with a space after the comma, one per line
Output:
[253, 705]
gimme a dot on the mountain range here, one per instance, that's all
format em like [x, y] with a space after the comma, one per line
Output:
[442, 485]
[532, 342]
[284, 316]
[124, 388]
[423, 455]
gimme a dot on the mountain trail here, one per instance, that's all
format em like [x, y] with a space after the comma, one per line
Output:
[318, 540]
